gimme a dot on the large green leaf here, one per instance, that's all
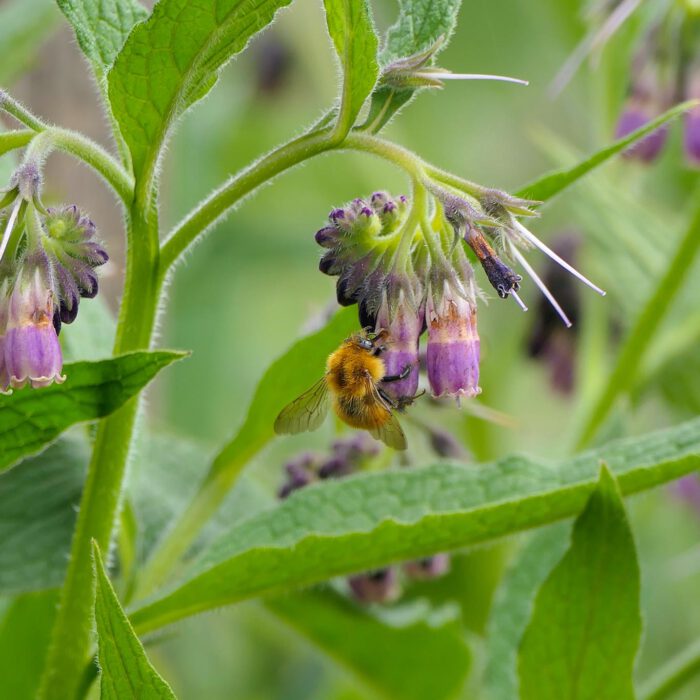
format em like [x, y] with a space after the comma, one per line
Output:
[38, 502]
[31, 418]
[585, 629]
[551, 184]
[408, 652]
[352, 32]
[367, 521]
[101, 28]
[513, 606]
[172, 60]
[421, 23]
[126, 672]
[24, 639]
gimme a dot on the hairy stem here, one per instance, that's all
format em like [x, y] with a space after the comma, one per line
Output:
[99, 506]
[643, 332]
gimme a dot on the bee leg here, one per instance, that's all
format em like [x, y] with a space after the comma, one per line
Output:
[392, 403]
[398, 377]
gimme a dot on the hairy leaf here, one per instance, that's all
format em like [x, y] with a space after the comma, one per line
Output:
[421, 23]
[409, 652]
[101, 28]
[38, 502]
[172, 60]
[350, 27]
[30, 418]
[546, 187]
[24, 640]
[126, 672]
[586, 625]
[370, 520]
[513, 606]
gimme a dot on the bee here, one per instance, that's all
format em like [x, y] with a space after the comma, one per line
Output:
[353, 375]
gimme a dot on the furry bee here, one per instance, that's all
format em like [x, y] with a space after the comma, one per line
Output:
[353, 375]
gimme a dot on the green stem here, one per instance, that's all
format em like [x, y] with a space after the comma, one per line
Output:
[20, 112]
[99, 506]
[10, 140]
[673, 675]
[633, 350]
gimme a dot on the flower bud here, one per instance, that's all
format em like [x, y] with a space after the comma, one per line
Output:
[453, 343]
[299, 474]
[380, 586]
[428, 568]
[32, 351]
[444, 444]
[691, 136]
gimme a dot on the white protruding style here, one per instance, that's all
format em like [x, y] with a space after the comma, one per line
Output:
[10, 225]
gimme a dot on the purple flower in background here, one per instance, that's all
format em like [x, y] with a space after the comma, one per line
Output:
[380, 586]
[688, 490]
[634, 116]
[428, 568]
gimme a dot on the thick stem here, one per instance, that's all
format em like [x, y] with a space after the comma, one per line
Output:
[20, 112]
[99, 506]
[644, 330]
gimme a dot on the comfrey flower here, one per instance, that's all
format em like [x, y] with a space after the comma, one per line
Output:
[47, 262]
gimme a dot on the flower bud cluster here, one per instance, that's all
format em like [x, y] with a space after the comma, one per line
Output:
[665, 70]
[47, 264]
[349, 456]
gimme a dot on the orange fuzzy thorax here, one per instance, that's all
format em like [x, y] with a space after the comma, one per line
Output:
[352, 373]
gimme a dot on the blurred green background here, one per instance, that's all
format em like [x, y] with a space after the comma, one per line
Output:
[248, 290]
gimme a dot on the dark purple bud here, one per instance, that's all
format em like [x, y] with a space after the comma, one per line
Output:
[444, 444]
[328, 236]
[501, 277]
[299, 474]
[428, 568]
[366, 211]
[633, 117]
[336, 467]
[337, 215]
[453, 345]
[381, 586]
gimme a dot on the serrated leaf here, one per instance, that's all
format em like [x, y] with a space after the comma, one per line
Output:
[172, 60]
[419, 26]
[38, 502]
[25, 630]
[101, 28]
[586, 626]
[126, 672]
[367, 521]
[351, 29]
[25, 25]
[546, 187]
[32, 418]
[513, 606]
[409, 652]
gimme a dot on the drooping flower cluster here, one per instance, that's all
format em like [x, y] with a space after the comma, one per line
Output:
[664, 70]
[349, 456]
[406, 266]
[47, 263]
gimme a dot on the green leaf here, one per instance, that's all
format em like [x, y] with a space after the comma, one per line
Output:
[421, 23]
[513, 605]
[409, 652]
[31, 418]
[546, 187]
[367, 521]
[351, 29]
[583, 636]
[10, 140]
[172, 60]
[101, 28]
[25, 630]
[38, 502]
[126, 671]
[25, 25]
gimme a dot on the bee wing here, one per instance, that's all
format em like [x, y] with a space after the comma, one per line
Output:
[306, 412]
[390, 431]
